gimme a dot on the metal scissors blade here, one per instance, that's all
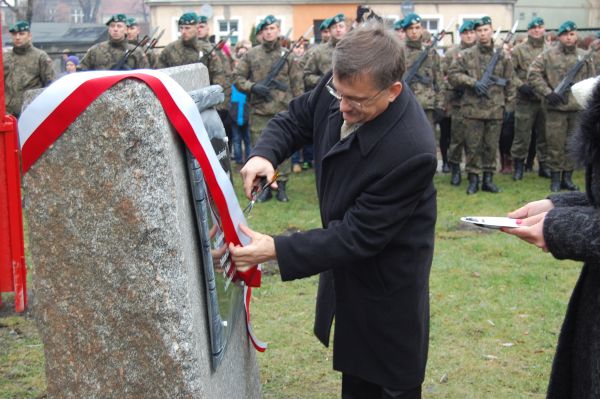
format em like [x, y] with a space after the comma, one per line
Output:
[256, 192]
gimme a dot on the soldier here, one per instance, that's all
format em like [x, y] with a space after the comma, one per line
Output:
[482, 106]
[25, 68]
[399, 30]
[220, 71]
[319, 61]
[453, 96]
[265, 101]
[545, 73]
[529, 113]
[108, 54]
[324, 29]
[428, 82]
[133, 31]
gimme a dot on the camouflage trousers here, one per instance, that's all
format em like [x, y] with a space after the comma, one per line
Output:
[457, 138]
[559, 127]
[530, 116]
[257, 124]
[482, 137]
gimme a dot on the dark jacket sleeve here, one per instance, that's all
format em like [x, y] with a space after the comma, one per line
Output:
[291, 129]
[569, 199]
[573, 233]
[377, 216]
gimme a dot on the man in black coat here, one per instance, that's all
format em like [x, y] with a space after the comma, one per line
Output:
[375, 159]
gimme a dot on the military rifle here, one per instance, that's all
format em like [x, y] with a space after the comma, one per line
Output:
[153, 40]
[120, 65]
[412, 72]
[488, 77]
[270, 80]
[219, 46]
[569, 79]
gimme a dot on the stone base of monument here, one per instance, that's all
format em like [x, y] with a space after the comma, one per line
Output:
[120, 297]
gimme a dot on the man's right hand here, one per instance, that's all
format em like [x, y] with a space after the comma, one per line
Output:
[553, 99]
[253, 171]
[260, 90]
[481, 88]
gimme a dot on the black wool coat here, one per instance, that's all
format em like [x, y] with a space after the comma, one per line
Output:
[374, 252]
[572, 231]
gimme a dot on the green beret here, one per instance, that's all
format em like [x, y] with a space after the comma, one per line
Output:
[337, 19]
[131, 22]
[537, 21]
[269, 20]
[325, 24]
[19, 26]
[202, 19]
[566, 26]
[189, 18]
[410, 19]
[117, 18]
[483, 21]
[467, 25]
[398, 24]
[259, 26]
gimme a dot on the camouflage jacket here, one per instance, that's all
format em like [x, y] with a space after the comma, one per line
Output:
[452, 96]
[523, 55]
[318, 63]
[150, 55]
[190, 52]
[550, 67]
[255, 66]
[25, 68]
[105, 55]
[430, 93]
[468, 68]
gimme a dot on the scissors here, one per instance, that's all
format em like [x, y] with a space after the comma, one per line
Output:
[257, 191]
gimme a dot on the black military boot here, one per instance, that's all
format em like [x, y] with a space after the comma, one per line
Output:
[518, 174]
[281, 195]
[473, 183]
[488, 184]
[543, 170]
[555, 182]
[567, 183]
[264, 195]
[455, 178]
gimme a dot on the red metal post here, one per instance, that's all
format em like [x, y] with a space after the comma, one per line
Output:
[13, 273]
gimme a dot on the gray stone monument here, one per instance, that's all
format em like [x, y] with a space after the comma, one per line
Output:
[119, 290]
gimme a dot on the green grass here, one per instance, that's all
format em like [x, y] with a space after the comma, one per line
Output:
[496, 306]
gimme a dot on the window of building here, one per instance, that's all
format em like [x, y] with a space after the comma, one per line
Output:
[76, 15]
[225, 26]
[521, 16]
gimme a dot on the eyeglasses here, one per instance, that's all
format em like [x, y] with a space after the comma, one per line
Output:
[355, 104]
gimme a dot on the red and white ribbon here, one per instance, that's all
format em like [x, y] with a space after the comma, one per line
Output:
[53, 111]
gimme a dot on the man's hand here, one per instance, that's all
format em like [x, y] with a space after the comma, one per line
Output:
[526, 90]
[531, 209]
[554, 99]
[532, 230]
[261, 90]
[260, 249]
[481, 89]
[253, 170]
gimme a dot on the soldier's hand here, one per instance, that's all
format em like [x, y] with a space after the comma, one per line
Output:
[260, 90]
[526, 90]
[481, 89]
[553, 99]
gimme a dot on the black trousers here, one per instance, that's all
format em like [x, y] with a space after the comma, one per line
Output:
[357, 388]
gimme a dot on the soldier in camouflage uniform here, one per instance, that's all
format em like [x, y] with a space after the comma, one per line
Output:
[25, 68]
[428, 83]
[106, 55]
[265, 101]
[482, 106]
[133, 37]
[319, 61]
[545, 73]
[399, 30]
[529, 112]
[453, 96]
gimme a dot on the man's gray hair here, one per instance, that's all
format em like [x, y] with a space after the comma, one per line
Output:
[370, 49]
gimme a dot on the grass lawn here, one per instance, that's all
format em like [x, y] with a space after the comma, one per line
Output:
[496, 306]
